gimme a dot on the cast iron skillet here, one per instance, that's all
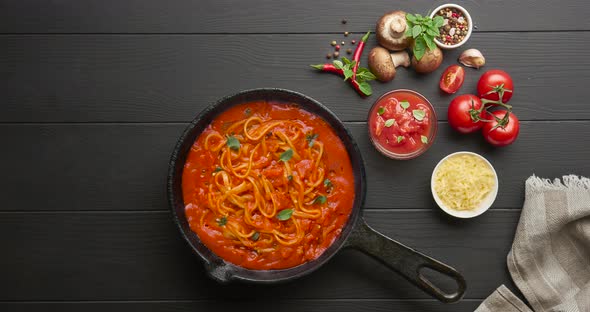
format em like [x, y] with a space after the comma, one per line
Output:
[355, 234]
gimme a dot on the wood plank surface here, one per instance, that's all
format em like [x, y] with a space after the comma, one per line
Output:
[95, 167]
[267, 16]
[95, 93]
[268, 304]
[139, 78]
[141, 256]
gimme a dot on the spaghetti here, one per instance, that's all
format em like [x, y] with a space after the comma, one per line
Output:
[268, 186]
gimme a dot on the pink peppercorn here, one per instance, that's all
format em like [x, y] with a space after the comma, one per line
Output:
[337, 47]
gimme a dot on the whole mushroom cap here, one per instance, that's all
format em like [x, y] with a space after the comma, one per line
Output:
[429, 62]
[381, 64]
[391, 29]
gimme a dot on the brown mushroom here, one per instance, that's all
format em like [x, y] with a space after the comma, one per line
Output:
[391, 29]
[382, 63]
[429, 62]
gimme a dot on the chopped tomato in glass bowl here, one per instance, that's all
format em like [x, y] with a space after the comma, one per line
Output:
[402, 124]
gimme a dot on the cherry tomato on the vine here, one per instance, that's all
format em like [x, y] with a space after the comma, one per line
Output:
[502, 130]
[492, 83]
[464, 113]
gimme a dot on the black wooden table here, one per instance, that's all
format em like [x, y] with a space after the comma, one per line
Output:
[94, 94]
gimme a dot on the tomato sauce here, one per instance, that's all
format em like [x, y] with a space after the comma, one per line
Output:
[319, 233]
[401, 122]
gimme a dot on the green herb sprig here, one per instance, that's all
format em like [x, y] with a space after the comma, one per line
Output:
[363, 75]
[423, 29]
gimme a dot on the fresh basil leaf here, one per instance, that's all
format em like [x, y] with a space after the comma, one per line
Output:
[348, 73]
[311, 139]
[320, 199]
[381, 110]
[255, 236]
[233, 143]
[438, 21]
[419, 54]
[430, 43]
[432, 33]
[346, 60]
[328, 183]
[365, 76]
[419, 16]
[408, 32]
[435, 29]
[400, 138]
[410, 18]
[222, 221]
[365, 88]
[285, 214]
[424, 139]
[286, 155]
[389, 122]
[365, 73]
[338, 64]
[416, 30]
[419, 48]
[419, 114]
[217, 169]
[404, 104]
[362, 70]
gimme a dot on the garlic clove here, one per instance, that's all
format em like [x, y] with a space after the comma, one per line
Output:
[472, 58]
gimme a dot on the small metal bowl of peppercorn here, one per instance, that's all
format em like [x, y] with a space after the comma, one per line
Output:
[457, 26]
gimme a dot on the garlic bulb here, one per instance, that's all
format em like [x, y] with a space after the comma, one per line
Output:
[472, 58]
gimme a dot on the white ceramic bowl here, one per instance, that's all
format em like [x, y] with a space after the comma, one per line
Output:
[484, 205]
[469, 21]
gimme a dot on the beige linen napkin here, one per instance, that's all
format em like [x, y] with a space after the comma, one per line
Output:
[550, 256]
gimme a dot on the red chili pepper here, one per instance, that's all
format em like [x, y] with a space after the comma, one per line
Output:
[357, 87]
[330, 68]
[358, 52]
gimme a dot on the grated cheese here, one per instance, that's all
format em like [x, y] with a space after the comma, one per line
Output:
[463, 181]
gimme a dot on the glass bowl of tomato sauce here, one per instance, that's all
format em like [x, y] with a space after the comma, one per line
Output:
[402, 124]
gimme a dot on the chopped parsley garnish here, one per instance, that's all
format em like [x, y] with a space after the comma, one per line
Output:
[311, 138]
[222, 221]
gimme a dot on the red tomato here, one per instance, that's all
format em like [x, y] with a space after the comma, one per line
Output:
[462, 113]
[492, 82]
[505, 133]
[452, 79]
[390, 108]
[379, 124]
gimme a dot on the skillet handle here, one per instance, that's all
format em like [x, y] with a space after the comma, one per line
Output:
[405, 261]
